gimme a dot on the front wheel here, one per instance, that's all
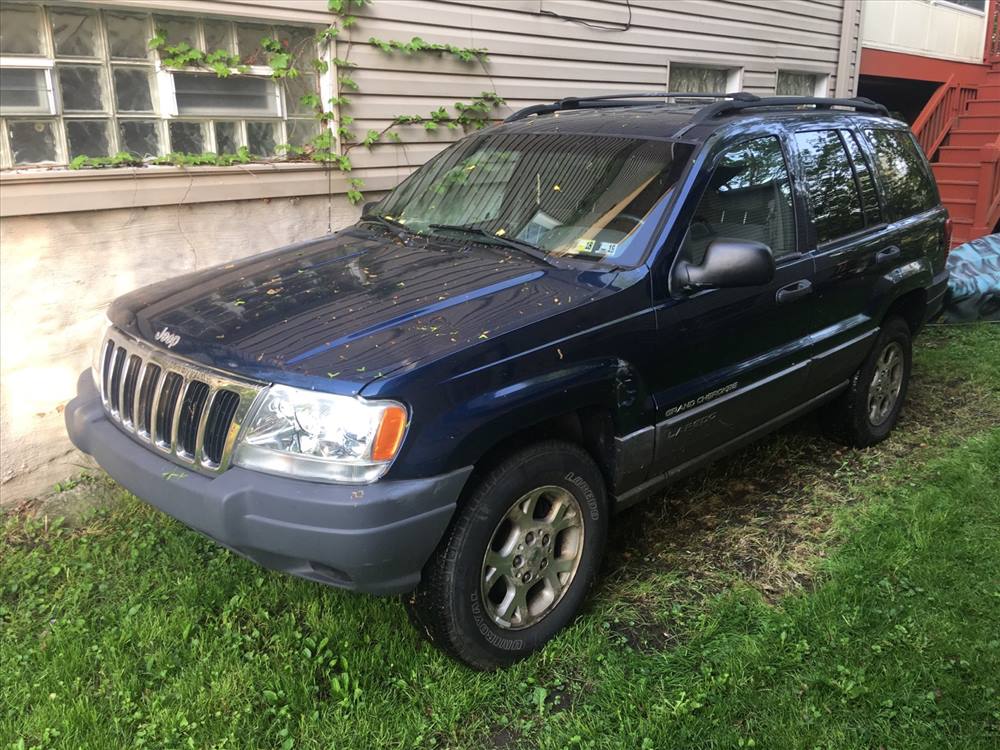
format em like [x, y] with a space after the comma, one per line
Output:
[519, 558]
[866, 413]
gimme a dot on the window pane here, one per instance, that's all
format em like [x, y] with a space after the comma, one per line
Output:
[973, 4]
[132, 93]
[300, 41]
[211, 95]
[749, 197]
[833, 195]
[795, 84]
[295, 89]
[23, 91]
[20, 30]
[217, 36]
[187, 137]
[32, 142]
[128, 35]
[262, 138]
[869, 195]
[177, 30]
[140, 137]
[227, 138]
[74, 32]
[300, 132]
[694, 80]
[88, 138]
[81, 87]
[905, 182]
[248, 37]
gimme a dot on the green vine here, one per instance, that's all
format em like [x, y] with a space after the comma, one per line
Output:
[183, 55]
[334, 143]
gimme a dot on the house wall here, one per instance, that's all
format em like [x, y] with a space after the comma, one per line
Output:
[932, 28]
[72, 241]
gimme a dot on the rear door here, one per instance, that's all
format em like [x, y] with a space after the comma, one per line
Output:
[852, 245]
[735, 359]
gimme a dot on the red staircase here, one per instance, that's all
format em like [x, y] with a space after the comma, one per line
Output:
[959, 130]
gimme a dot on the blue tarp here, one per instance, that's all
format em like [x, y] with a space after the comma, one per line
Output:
[974, 284]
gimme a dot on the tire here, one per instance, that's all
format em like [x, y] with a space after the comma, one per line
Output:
[542, 515]
[867, 412]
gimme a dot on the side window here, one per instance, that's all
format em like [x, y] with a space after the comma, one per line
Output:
[862, 170]
[749, 197]
[833, 193]
[905, 182]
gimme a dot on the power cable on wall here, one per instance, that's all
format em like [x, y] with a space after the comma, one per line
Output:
[590, 24]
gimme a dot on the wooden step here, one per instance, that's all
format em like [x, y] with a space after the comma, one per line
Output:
[979, 122]
[961, 231]
[957, 189]
[959, 155]
[955, 171]
[982, 106]
[963, 208]
[971, 137]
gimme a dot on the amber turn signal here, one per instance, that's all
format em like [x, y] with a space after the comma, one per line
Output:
[390, 433]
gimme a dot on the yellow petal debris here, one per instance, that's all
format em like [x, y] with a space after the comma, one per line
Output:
[557, 188]
[501, 232]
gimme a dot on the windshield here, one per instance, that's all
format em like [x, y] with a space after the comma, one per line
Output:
[579, 196]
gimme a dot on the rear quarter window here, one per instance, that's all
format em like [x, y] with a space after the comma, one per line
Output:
[906, 185]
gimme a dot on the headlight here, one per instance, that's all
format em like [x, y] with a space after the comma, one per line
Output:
[321, 436]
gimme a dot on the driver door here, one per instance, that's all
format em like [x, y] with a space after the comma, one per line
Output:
[735, 359]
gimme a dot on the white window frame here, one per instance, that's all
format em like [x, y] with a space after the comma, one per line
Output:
[35, 63]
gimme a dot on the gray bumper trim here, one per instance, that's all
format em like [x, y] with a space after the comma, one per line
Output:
[373, 538]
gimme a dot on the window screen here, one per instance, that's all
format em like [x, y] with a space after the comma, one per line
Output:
[795, 84]
[907, 186]
[829, 180]
[749, 197]
[694, 80]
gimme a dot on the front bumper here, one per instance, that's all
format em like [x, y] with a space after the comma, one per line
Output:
[373, 538]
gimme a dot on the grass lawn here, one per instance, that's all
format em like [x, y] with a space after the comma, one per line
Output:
[797, 595]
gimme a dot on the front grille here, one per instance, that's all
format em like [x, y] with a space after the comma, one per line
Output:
[191, 413]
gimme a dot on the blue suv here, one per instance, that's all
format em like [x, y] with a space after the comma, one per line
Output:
[544, 324]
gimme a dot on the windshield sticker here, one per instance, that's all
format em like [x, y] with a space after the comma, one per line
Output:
[585, 246]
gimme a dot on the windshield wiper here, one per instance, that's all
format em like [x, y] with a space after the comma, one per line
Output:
[492, 239]
[398, 228]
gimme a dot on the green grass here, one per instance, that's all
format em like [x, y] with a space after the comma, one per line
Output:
[797, 595]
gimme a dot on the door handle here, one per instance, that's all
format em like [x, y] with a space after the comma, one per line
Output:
[794, 291]
[883, 256]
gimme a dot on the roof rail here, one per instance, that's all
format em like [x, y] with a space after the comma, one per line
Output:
[620, 100]
[717, 109]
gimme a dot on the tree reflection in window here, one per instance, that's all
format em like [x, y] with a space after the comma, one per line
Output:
[905, 182]
[833, 193]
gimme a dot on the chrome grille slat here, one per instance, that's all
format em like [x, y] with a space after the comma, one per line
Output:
[191, 413]
[199, 448]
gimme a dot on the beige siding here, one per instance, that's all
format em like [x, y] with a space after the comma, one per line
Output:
[538, 57]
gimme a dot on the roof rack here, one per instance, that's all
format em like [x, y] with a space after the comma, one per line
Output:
[717, 109]
[726, 104]
[618, 100]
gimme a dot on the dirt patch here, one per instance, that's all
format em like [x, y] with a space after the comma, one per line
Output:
[764, 515]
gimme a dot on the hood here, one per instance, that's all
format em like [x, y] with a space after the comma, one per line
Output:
[339, 312]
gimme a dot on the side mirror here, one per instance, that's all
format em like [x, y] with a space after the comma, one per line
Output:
[369, 208]
[728, 263]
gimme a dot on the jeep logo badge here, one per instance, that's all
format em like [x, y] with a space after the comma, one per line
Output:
[165, 337]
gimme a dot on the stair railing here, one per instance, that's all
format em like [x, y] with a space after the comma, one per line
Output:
[993, 33]
[940, 113]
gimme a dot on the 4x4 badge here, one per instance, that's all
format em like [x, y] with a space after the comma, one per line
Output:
[168, 339]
